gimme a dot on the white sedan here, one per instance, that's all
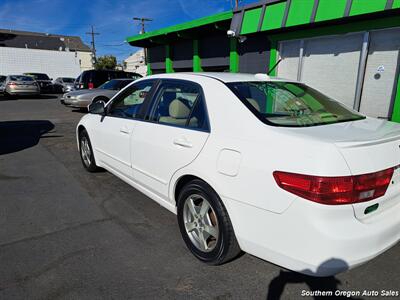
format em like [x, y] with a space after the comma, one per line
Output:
[249, 163]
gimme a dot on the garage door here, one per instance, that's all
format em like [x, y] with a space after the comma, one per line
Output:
[380, 74]
[329, 64]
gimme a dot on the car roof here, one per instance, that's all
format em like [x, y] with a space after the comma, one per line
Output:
[106, 71]
[120, 79]
[29, 73]
[19, 76]
[222, 76]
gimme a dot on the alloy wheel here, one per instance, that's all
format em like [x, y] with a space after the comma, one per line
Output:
[201, 223]
[85, 151]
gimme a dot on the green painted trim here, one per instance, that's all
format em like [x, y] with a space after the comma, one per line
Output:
[149, 71]
[328, 10]
[184, 26]
[233, 56]
[148, 65]
[273, 16]
[396, 105]
[273, 57]
[359, 7]
[196, 57]
[339, 29]
[168, 61]
[250, 20]
[300, 12]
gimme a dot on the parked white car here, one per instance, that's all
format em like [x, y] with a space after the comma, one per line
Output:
[268, 166]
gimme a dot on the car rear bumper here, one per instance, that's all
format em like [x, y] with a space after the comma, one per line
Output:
[23, 92]
[311, 238]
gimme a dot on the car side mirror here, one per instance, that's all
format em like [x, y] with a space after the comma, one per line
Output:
[97, 108]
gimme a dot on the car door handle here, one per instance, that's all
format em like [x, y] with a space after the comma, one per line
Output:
[125, 130]
[183, 142]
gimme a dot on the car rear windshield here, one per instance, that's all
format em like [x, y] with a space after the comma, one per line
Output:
[291, 104]
[110, 85]
[68, 80]
[39, 76]
[20, 78]
[115, 84]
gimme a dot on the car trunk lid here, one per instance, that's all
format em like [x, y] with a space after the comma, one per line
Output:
[379, 152]
[368, 146]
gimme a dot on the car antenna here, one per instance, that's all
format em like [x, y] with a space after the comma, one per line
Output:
[274, 67]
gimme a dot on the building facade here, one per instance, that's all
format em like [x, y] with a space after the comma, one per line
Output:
[55, 55]
[136, 63]
[348, 49]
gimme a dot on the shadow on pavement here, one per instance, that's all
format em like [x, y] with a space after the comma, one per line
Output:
[53, 96]
[80, 110]
[13, 98]
[315, 284]
[19, 135]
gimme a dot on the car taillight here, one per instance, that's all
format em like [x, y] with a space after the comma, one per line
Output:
[12, 84]
[336, 190]
[91, 85]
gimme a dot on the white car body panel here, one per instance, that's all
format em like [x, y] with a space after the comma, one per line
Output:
[237, 158]
[170, 149]
[109, 133]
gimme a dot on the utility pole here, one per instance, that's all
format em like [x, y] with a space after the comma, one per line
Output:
[92, 33]
[142, 31]
[236, 4]
[142, 23]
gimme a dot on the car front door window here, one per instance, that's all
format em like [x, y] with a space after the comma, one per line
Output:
[129, 104]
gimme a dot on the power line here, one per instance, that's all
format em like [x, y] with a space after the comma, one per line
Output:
[114, 45]
[92, 33]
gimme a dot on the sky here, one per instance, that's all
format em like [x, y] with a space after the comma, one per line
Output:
[111, 18]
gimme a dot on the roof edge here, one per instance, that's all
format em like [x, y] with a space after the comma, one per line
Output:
[183, 26]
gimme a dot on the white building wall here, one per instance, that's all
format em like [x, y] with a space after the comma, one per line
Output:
[136, 63]
[85, 59]
[53, 63]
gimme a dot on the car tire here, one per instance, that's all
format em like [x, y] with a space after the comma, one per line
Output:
[86, 152]
[98, 99]
[207, 232]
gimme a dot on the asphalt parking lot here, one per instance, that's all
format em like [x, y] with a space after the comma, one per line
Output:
[68, 234]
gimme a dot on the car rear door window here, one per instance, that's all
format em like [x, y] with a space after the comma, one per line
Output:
[180, 104]
[130, 102]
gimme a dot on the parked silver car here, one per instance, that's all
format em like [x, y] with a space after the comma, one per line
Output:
[2, 84]
[63, 84]
[43, 80]
[82, 98]
[20, 85]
